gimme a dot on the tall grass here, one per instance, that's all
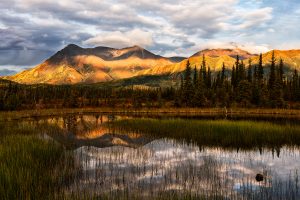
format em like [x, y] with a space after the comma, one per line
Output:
[217, 133]
[32, 167]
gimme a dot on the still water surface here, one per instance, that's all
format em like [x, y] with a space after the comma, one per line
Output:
[131, 164]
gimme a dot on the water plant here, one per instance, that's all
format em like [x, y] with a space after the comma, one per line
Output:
[217, 133]
[32, 167]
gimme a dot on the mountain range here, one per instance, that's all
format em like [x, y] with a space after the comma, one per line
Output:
[291, 59]
[74, 64]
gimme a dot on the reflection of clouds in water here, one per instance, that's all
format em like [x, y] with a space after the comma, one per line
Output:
[168, 165]
[287, 162]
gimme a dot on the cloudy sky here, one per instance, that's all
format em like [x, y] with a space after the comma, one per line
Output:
[32, 30]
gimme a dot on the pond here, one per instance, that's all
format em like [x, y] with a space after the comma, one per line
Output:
[123, 157]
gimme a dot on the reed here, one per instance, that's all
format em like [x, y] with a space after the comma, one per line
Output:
[32, 167]
[217, 133]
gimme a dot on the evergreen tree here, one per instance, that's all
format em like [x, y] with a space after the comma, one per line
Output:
[249, 74]
[281, 72]
[188, 86]
[256, 94]
[218, 81]
[260, 74]
[275, 85]
[242, 72]
[223, 76]
[255, 74]
[272, 77]
[244, 94]
[181, 83]
[12, 102]
[204, 73]
[233, 77]
[208, 78]
[199, 99]
[195, 79]
[237, 70]
[295, 85]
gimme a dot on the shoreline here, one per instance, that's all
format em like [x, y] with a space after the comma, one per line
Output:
[168, 112]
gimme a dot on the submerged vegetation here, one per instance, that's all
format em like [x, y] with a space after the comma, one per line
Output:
[217, 133]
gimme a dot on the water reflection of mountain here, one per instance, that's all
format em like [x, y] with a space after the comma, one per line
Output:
[78, 131]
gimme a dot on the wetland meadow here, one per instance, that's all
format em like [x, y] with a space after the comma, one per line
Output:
[139, 156]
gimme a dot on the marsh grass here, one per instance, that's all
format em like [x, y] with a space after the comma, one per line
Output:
[37, 167]
[32, 167]
[217, 133]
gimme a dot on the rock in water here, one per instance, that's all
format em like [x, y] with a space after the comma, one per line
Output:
[259, 177]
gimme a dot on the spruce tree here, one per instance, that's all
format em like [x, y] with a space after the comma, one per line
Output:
[208, 78]
[255, 73]
[223, 76]
[281, 72]
[244, 92]
[195, 79]
[242, 72]
[249, 74]
[199, 99]
[188, 85]
[295, 85]
[233, 77]
[237, 70]
[260, 74]
[204, 74]
[275, 85]
[181, 83]
[272, 77]
[218, 81]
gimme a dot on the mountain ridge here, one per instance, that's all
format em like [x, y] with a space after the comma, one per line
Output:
[229, 52]
[74, 64]
[291, 59]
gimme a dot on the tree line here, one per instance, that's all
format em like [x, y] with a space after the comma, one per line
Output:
[244, 87]
[251, 86]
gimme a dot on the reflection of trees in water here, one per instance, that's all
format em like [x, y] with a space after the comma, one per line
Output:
[75, 131]
[166, 167]
[79, 125]
[144, 171]
[70, 123]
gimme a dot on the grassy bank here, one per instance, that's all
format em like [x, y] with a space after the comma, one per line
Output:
[32, 167]
[196, 112]
[217, 133]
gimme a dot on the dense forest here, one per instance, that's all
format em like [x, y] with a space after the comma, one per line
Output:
[243, 86]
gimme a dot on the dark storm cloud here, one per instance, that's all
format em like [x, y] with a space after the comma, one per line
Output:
[23, 58]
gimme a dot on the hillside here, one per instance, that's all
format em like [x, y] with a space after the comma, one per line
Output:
[291, 59]
[74, 64]
[215, 64]
[222, 52]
